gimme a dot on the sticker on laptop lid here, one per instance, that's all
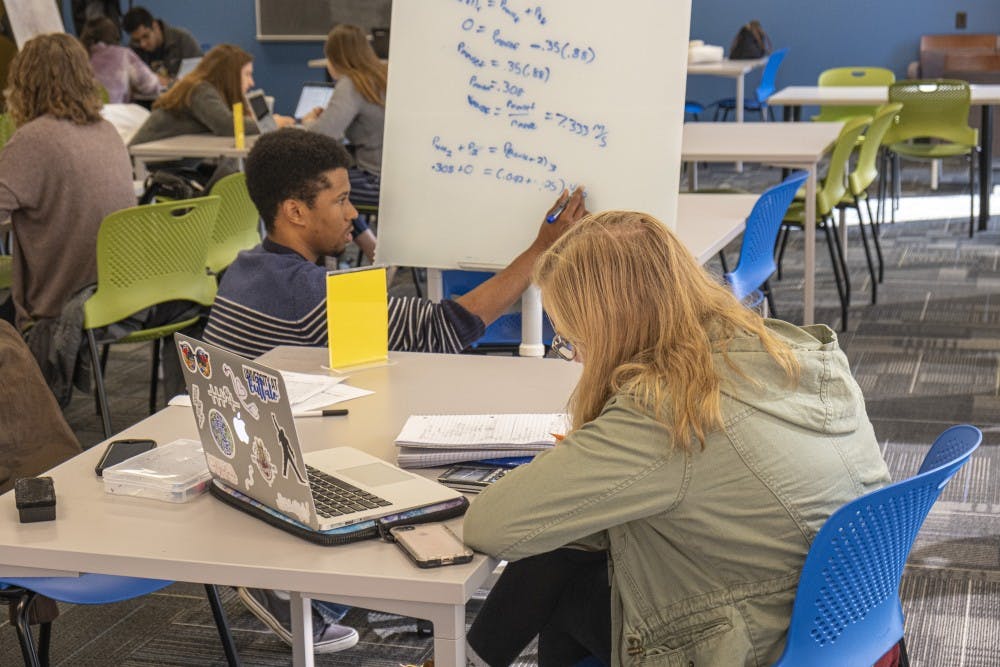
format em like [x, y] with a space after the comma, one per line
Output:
[204, 362]
[188, 355]
[222, 397]
[222, 469]
[240, 391]
[288, 459]
[221, 433]
[262, 459]
[295, 508]
[198, 405]
[262, 385]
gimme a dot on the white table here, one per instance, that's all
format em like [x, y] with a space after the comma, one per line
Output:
[188, 146]
[731, 69]
[207, 542]
[985, 96]
[794, 145]
[706, 223]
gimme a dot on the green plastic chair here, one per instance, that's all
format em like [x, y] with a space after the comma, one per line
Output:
[149, 255]
[828, 195]
[6, 129]
[237, 226]
[864, 174]
[851, 76]
[937, 110]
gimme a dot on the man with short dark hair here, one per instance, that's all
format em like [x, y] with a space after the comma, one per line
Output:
[160, 46]
[275, 294]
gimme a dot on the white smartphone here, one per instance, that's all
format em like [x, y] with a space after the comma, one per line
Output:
[431, 545]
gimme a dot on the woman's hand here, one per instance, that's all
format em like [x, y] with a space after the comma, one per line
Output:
[312, 115]
[283, 121]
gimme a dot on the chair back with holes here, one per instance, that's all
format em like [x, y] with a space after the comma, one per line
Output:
[851, 76]
[237, 226]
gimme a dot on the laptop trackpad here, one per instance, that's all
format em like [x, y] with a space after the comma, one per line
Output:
[375, 474]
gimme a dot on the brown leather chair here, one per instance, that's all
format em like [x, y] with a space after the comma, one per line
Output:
[35, 436]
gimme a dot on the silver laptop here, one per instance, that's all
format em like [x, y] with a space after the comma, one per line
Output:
[257, 103]
[245, 423]
[187, 64]
[314, 94]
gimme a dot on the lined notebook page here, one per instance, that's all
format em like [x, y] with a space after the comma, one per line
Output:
[489, 432]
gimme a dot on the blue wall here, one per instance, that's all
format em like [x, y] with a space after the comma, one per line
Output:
[819, 34]
[829, 33]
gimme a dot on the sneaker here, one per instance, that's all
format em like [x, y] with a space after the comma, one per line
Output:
[275, 613]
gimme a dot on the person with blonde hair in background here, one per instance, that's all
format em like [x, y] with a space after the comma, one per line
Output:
[61, 173]
[707, 447]
[356, 110]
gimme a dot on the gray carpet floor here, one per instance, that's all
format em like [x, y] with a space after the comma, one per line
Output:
[926, 357]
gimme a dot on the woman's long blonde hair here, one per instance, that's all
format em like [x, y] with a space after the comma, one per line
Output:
[349, 52]
[221, 67]
[51, 75]
[646, 318]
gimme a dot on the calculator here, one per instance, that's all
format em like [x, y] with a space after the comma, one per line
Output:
[470, 477]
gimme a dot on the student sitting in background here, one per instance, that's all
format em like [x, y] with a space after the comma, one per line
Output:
[119, 70]
[61, 173]
[707, 448]
[275, 295]
[356, 110]
[160, 46]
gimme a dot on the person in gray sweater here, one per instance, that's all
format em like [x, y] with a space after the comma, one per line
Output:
[356, 110]
[202, 102]
[61, 173]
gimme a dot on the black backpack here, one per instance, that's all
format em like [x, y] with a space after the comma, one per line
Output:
[750, 43]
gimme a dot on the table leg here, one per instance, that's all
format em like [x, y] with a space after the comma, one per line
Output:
[531, 323]
[985, 166]
[809, 283]
[740, 85]
[302, 639]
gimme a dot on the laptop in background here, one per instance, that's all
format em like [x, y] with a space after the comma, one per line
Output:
[247, 432]
[314, 94]
[257, 103]
[187, 64]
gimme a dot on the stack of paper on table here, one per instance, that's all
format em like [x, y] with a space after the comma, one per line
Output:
[306, 392]
[437, 440]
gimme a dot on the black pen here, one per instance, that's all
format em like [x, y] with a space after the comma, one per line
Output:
[336, 412]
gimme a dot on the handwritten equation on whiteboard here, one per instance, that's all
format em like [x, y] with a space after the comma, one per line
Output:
[511, 51]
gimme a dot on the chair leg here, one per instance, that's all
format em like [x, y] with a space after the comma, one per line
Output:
[416, 282]
[876, 228]
[153, 376]
[897, 184]
[105, 350]
[972, 193]
[222, 625]
[832, 243]
[766, 289]
[722, 261]
[24, 637]
[868, 252]
[44, 642]
[904, 658]
[102, 397]
[781, 242]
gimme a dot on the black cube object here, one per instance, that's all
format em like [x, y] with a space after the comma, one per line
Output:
[35, 498]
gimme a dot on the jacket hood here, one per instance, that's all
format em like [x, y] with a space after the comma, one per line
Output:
[826, 399]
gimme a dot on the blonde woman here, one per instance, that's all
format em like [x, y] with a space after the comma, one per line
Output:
[707, 447]
[356, 110]
[61, 173]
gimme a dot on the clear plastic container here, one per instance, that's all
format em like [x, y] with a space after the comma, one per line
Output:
[175, 473]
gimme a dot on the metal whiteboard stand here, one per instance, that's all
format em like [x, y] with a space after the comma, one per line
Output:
[531, 312]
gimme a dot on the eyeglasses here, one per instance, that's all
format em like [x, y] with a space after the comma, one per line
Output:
[563, 348]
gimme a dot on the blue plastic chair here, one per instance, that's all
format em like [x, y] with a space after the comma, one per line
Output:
[693, 108]
[847, 609]
[504, 333]
[766, 88]
[90, 589]
[749, 280]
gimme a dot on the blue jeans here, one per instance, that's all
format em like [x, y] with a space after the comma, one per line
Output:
[330, 611]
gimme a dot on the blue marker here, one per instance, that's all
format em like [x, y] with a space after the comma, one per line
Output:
[551, 217]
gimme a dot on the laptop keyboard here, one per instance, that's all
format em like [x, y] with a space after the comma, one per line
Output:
[335, 497]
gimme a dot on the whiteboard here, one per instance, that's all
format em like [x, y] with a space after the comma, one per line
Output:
[495, 106]
[30, 18]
